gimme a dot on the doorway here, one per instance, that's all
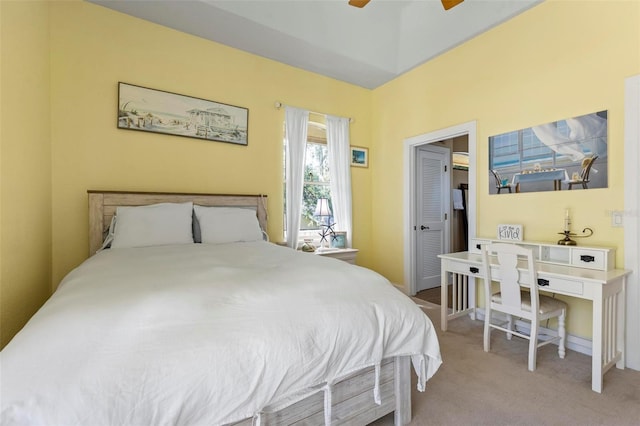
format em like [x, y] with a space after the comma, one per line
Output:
[411, 148]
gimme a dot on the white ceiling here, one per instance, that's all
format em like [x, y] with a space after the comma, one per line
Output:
[366, 47]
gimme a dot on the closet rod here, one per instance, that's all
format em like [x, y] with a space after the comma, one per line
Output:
[279, 105]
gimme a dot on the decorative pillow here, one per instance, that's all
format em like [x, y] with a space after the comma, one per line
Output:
[227, 224]
[153, 225]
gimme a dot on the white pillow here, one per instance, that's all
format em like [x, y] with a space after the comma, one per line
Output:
[153, 225]
[227, 224]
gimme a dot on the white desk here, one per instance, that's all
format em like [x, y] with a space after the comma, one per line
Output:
[606, 289]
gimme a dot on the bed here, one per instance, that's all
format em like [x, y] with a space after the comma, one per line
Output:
[222, 332]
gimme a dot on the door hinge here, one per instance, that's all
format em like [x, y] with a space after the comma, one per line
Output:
[445, 168]
[445, 216]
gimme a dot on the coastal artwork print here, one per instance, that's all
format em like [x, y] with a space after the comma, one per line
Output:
[157, 111]
[569, 154]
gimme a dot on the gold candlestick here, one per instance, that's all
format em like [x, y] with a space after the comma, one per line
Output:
[566, 241]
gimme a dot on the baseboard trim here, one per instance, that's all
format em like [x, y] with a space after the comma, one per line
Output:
[575, 343]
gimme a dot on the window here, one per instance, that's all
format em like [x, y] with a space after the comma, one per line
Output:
[518, 150]
[316, 184]
[316, 181]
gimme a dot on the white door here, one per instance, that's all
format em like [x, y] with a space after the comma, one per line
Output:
[433, 184]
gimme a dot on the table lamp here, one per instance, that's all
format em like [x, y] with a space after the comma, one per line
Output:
[323, 212]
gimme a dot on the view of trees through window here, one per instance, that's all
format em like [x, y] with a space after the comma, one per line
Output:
[316, 185]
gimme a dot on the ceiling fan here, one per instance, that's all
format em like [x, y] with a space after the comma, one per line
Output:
[447, 4]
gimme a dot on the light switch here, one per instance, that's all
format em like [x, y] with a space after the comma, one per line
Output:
[616, 219]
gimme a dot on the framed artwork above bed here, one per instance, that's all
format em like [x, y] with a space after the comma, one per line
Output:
[157, 111]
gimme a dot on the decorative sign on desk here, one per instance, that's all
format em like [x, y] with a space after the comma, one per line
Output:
[510, 232]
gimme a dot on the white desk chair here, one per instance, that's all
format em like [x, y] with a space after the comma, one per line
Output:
[513, 301]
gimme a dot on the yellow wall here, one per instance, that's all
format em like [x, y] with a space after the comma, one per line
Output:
[25, 164]
[558, 60]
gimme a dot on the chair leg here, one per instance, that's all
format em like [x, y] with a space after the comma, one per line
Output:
[509, 326]
[562, 334]
[487, 330]
[533, 345]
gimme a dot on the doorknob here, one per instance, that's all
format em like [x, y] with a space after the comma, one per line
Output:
[422, 227]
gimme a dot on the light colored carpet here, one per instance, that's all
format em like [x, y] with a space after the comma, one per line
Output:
[477, 388]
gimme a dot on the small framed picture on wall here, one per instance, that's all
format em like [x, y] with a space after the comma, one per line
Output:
[359, 156]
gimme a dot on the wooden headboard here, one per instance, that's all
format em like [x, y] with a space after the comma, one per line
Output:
[103, 205]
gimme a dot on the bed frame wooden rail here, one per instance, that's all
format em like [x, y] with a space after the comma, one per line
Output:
[352, 400]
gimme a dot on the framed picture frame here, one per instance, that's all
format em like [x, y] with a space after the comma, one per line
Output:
[157, 111]
[560, 155]
[339, 239]
[359, 156]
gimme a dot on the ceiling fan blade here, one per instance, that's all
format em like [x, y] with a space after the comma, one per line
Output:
[448, 4]
[358, 3]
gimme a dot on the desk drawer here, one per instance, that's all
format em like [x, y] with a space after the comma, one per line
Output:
[465, 268]
[591, 259]
[559, 285]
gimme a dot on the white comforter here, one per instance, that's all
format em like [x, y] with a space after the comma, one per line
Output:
[203, 334]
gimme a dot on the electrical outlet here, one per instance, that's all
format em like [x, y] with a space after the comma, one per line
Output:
[616, 219]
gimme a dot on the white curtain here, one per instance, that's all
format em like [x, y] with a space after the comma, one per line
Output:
[339, 154]
[296, 142]
[587, 129]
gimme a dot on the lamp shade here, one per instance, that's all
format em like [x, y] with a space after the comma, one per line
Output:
[322, 207]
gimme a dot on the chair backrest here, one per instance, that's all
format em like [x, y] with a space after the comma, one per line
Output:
[515, 269]
[498, 178]
[586, 167]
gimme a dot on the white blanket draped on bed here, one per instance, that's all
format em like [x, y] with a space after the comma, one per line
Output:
[203, 334]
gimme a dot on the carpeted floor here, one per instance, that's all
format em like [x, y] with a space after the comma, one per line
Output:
[473, 387]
